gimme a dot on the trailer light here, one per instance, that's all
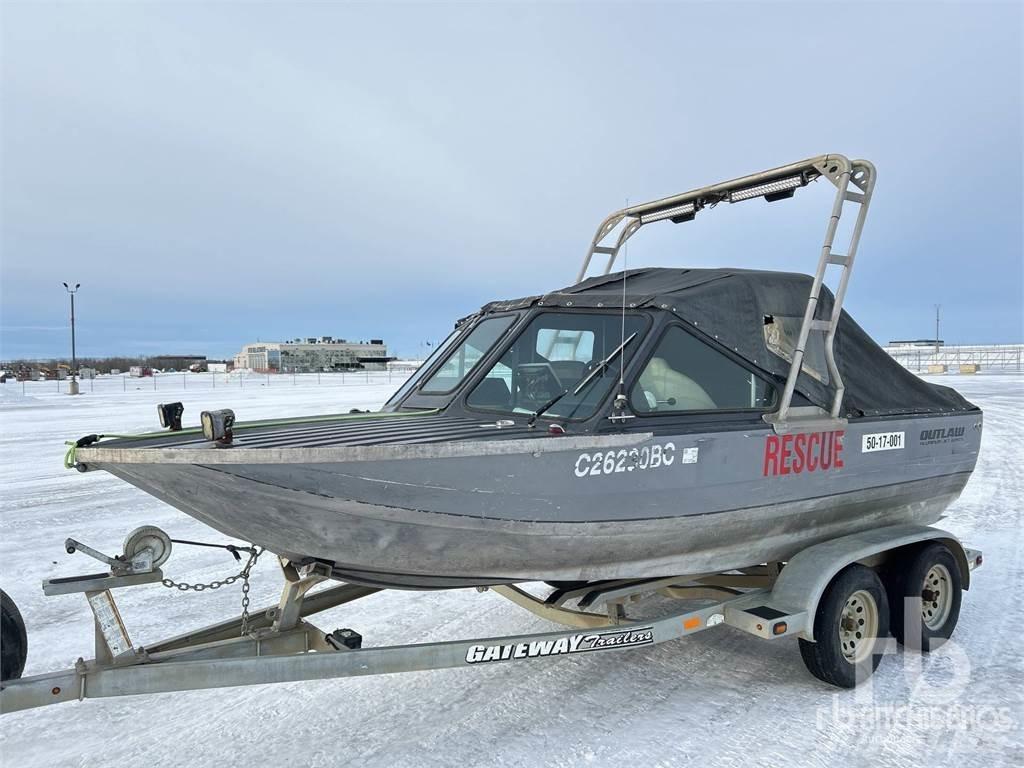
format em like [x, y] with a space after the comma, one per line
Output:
[217, 425]
[170, 415]
[691, 623]
[678, 214]
[342, 639]
[772, 190]
[779, 628]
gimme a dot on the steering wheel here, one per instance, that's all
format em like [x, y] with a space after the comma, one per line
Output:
[536, 383]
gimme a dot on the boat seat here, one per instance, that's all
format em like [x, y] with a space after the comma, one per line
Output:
[665, 388]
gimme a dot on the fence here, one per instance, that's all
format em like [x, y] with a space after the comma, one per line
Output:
[179, 382]
[991, 357]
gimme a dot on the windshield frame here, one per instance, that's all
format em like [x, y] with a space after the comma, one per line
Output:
[417, 400]
[630, 353]
[454, 350]
[411, 382]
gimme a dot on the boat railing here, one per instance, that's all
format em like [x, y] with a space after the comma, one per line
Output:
[854, 181]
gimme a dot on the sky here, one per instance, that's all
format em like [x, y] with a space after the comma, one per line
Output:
[216, 174]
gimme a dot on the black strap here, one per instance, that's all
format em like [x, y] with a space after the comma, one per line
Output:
[234, 549]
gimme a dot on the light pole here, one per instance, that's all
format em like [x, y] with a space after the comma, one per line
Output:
[73, 388]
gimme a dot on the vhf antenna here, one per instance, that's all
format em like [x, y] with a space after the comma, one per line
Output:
[622, 331]
[621, 400]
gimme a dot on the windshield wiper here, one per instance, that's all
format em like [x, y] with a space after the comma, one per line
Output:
[543, 408]
[599, 368]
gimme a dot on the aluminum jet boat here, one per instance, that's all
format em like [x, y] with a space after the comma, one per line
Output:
[640, 423]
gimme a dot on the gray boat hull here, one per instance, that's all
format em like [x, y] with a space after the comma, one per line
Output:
[599, 508]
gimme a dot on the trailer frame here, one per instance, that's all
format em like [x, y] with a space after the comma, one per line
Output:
[279, 645]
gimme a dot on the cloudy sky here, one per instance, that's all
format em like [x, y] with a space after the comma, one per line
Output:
[217, 173]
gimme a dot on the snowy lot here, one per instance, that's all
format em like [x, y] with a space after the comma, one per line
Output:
[719, 698]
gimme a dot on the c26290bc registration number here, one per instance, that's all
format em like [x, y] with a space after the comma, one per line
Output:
[623, 460]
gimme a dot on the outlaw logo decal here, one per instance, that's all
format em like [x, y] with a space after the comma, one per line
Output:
[597, 641]
[947, 435]
[794, 454]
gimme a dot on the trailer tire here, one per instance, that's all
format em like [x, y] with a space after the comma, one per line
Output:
[850, 625]
[930, 572]
[13, 639]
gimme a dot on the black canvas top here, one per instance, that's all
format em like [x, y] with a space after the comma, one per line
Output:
[731, 307]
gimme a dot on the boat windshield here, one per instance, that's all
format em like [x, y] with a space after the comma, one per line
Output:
[465, 357]
[555, 353]
[439, 351]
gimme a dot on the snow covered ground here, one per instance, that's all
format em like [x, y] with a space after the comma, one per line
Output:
[719, 698]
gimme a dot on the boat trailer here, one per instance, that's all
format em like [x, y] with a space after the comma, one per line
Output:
[823, 595]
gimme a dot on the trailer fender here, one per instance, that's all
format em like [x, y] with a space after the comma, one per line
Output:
[806, 576]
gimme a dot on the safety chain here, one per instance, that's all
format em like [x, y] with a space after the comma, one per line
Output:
[254, 555]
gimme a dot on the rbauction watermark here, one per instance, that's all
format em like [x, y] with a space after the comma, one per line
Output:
[939, 700]
[963, 717]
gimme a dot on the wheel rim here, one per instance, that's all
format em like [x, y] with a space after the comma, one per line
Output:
[858, 626]
[936, 596]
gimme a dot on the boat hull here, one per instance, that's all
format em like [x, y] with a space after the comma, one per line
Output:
[393, 546]
[671, 504]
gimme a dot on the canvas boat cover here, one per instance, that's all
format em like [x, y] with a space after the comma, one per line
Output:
[757, 315]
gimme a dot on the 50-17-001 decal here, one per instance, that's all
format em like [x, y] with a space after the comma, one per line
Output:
[882, 441]
[594, 641]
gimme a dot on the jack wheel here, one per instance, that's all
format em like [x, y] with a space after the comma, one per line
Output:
[13, 639]
[925, 598]
[850, 625]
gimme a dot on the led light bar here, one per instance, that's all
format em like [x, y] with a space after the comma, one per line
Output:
[770, 188]
[683, 212]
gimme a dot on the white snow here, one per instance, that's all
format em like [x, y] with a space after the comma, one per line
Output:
[719, 698]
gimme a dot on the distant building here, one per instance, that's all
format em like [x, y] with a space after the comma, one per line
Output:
[917, 343]
[177, 362]
[324, 353]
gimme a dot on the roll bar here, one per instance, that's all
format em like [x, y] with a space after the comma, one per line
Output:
[854, 182]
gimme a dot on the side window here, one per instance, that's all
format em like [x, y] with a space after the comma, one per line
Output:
[781, 335]
[467, 355]
[685, 374]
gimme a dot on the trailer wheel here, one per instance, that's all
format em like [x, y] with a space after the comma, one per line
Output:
[851, 621]
[13, 639]
[927, 596]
